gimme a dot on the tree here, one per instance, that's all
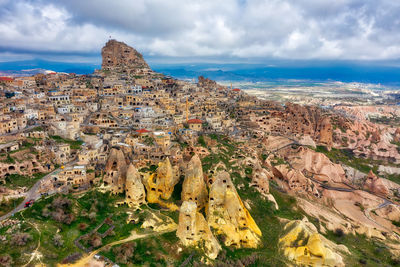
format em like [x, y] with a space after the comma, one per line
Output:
[95, 240]
[58, 241]
[92, 216]
[20, 239]
[6, 260]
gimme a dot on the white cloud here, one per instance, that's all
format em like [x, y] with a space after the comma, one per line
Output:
[293, 29]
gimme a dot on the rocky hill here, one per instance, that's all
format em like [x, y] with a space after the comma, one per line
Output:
[118, 55]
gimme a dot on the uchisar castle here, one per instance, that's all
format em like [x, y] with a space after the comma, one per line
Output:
[129, 167]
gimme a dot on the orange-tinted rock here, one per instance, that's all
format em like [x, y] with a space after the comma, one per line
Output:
[325, 132]
[119, 55]
[375, 184]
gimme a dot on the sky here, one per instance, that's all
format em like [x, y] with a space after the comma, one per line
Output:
[218, 30]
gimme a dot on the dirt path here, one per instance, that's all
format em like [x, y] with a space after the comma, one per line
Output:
[35, 254]
[87, 260]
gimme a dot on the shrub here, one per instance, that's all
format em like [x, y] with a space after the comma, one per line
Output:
[72, 257]
[6, 260]
[95, 240]
[339, 232]
[20, 239]
[58, 241]
[82, 226]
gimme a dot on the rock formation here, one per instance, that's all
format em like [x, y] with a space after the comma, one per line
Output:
[228, 216]
[396, 136]
[302, 244]
[134, 189]
[115, 171]
[375, 184]
[295, 181]
[160, 185]
[193, 230]
[206, 82]
[307, 120]
[157, 221]
[317, 164]
[118, 55]
[325, 132]
[194, 187]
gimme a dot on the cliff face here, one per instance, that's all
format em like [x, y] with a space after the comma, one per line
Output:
[228, 216]
[375, 184]
[119, 55]
[135, 194]
[160, 185]
[309, 121]
[194, 188]
[193, 230]
[115, 171]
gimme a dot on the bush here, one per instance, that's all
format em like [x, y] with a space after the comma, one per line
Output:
[72, 258]
[58, 241]
[61, 213]
[82, 226]
[20, 239]
[6, 260]
[95, 240]
[124, 252]
[362, 261]
[339, 232]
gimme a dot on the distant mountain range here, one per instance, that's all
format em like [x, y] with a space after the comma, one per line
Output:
[30, 67]
[388, 74]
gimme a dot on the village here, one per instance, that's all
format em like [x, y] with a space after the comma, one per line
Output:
[139, 135]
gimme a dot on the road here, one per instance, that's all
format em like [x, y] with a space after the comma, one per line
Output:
[33, 192]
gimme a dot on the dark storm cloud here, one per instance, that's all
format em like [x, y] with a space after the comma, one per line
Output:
[292, 29]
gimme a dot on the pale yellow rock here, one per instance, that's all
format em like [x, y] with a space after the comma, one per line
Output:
[157, 222]
[160, 185]
[302, 244]
[193, 230]
[228, 216]
[134, 189]
[194, 188]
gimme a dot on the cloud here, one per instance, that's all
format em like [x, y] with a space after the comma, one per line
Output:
[225, 29]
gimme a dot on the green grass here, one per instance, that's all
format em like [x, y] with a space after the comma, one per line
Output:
[7, 206]
[373, 251]
[74, 144]
[347, 157]
[9, 160]
[201, 141]
[37, 129]
[25, 145]
[15, 181]
[102, 203]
